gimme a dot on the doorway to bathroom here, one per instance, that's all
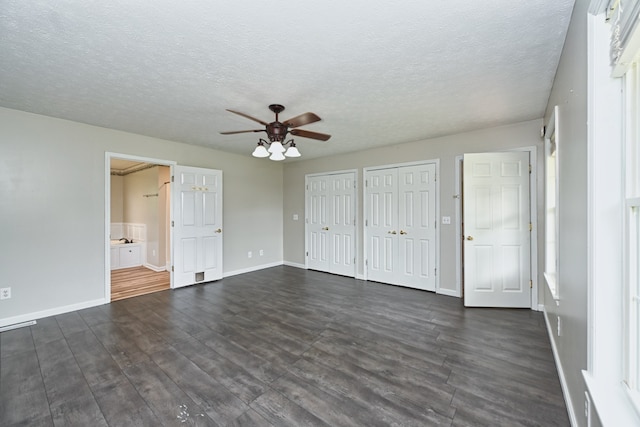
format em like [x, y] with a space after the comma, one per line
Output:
[138, 226]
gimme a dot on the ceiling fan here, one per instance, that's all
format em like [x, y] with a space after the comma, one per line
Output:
[277, 132]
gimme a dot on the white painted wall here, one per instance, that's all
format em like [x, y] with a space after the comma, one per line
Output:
[570, 94]
[117, 198]
[525, 134]
[52, 207]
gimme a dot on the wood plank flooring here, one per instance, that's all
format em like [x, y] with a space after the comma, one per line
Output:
[282, 347]
[136, 281]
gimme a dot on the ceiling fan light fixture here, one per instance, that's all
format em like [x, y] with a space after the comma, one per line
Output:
[277, 156]
[260, 151]
[276, 147]
[292, 151]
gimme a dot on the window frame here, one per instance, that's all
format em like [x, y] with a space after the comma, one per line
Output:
[551, 143]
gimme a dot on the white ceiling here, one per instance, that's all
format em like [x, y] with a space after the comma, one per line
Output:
[377, 72]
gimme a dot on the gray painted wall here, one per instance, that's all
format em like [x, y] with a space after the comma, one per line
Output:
[52, 207]
[570, 94]
[526, 134]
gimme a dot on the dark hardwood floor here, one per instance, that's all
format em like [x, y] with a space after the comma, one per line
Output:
[282, 347]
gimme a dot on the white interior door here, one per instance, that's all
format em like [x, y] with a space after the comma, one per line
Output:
[342, 227]
[317, 223]
[417, 226]
[497, 235]
[331, 223]
[382, 225]
[401, 226]
[197, 220]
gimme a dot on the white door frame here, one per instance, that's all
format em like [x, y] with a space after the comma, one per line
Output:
[107, 212]
[355, 213]
[533, 197]
[437, 213]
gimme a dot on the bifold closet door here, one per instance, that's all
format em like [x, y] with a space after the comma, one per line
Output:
[331, 223]
[401, 226]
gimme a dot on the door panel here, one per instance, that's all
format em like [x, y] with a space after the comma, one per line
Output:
[197, 225]
[382, 217]
[331, 223]
[497, 250]
[401, 226]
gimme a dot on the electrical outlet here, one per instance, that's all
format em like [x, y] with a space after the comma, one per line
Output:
[261, 252]
[249, 254]
[446, 220]
[5, 293]
[559, 327]
[587, 408]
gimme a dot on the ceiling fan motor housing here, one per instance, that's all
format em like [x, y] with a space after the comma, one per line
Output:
[277, 131]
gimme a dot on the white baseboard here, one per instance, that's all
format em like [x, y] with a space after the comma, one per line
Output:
[295, 264]
[155, 267]
[250, 269]
[448, 292]
[563, 380]
[50, 312]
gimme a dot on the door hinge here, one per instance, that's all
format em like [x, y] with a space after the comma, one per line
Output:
[307, 253]
[172, 178]
[435, 271]
[529, 168]
[366, 222]
[366, 263]
[530, 227]
[172, 224]
[172, 268]
[530, 284]
[366, 182]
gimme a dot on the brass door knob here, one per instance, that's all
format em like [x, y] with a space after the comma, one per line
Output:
[392, 232]
[325, 228]
[403, 232]
[469, 237]
[219, 230]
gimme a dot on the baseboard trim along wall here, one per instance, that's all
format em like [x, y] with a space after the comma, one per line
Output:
[561, 376]
[250, 269]
[50, 312]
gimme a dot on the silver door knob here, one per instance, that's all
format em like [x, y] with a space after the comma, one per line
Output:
[219, 230]
[325, 228]
[392, 232]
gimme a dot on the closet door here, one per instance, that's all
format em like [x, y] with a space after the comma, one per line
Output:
[317, 223]
[382, 223]
[330, 223]
[401, 226]
[417, 226]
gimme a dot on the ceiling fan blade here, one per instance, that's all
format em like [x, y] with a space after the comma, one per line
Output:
[242, 131]
[308, 134]
[248, 117]
[301, 120]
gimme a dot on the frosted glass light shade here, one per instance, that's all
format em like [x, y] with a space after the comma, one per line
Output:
[276, 147]
[292, 152]
[260, 151]
[277, 156]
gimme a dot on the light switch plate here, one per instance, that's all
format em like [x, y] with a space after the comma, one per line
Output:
[446, 220]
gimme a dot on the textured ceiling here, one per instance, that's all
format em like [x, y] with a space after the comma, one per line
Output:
[377, 73]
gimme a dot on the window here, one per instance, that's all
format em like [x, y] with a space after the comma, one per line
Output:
[632, 231]
[551, 204]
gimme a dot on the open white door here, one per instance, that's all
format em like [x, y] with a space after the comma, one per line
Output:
[197, 221]
[497, 233]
